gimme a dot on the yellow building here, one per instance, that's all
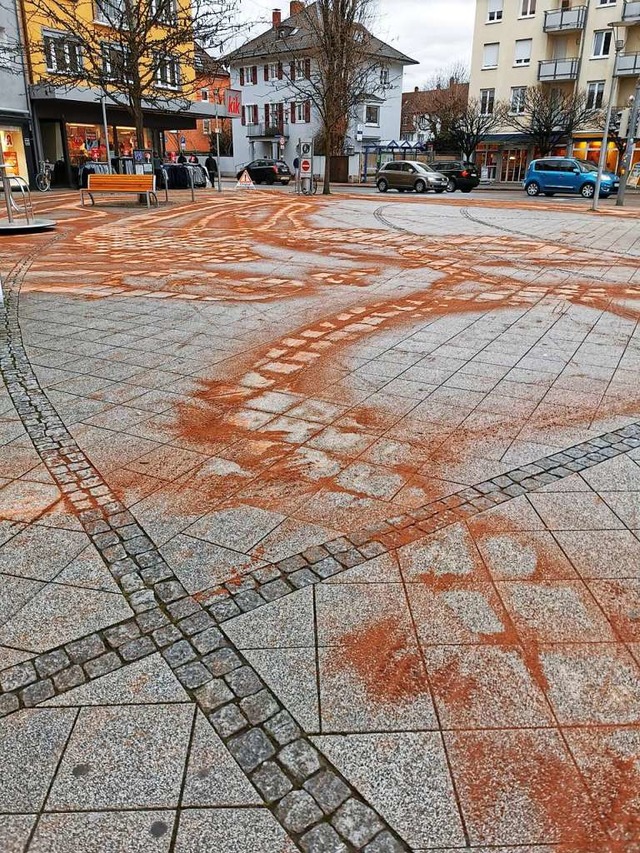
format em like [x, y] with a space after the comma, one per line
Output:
[85, 53]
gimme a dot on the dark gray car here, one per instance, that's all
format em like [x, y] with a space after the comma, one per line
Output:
[409, 176]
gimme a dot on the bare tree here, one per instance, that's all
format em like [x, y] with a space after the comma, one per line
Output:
[141, 57]
[550, 115]
[343, 67]
[456, 73]
[474, 123]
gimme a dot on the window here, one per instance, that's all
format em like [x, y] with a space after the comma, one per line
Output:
[523, 52]
[518, 95]
[204, 94]
[206, 126]
[606, 2]
[528, 8]
[62, 53]
[490, 55]
[249, 75]
[272, 71]
[167, 73]
[494, 11]
[595, 94]
[301, 70]
[115, 61]
[109, 12]
[487, 100]
[302, 112]
[384, 76]
[372, 115]
[250, 114]
[601, 43]
[164, 11]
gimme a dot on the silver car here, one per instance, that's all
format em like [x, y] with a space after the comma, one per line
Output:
[409, 176]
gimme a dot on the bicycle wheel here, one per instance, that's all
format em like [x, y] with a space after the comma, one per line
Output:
[314, 187]
[43, 182]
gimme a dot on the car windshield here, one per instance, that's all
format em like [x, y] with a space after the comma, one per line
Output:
[588, 167]
[421, 167]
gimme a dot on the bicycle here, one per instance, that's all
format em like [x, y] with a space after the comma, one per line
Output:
[43, 178]
[309, 189]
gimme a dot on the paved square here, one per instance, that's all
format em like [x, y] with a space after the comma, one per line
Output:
[321, 531]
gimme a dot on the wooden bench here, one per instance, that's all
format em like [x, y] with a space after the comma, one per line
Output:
[108, 184]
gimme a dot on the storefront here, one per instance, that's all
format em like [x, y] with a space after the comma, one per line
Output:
[589, 149]
[16, 143]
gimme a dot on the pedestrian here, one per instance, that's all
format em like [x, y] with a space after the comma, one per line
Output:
[193, 159]
[182, 158]
[211, 165]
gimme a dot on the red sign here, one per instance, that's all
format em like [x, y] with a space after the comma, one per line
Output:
[233, 102]
[305, 166]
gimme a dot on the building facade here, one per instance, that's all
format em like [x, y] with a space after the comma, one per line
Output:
[417, 105]
[270, 70]
[557, 43]
[16, 137]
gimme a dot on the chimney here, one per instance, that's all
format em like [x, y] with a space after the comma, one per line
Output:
[417, 89]
[295, 6]
[452, 81]
[276, 18]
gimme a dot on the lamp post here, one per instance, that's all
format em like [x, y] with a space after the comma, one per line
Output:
[619, 47]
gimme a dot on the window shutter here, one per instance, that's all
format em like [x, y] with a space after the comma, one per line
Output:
[266, 73]
[523, 51]
[280, 114]
[280, 75]
[293, 71]
[255, 114]
[244, 115]
[307, 69]
[242, 76]
[266, 114]
[293, 113]
[254, 74]
[307, 111]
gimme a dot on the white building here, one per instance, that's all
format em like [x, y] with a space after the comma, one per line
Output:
[559, 43]
[275, 112]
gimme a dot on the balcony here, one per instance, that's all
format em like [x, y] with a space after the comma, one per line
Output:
[627, 65]
[565, 20]
[268, 131]
[557, 70]
[631, 12]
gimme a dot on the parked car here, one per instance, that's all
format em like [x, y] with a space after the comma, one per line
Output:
[409, 176]
[551, 175]
[461, 175]
[267, 171]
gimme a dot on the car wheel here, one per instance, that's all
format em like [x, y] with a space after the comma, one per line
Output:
[285, 183]
[451, 186]
[420, 187]
[587, 190]
[549, 194]
[533, 188]
[382, 185]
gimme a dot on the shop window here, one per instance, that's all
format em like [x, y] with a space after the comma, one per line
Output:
[62, 53]
[487, 101]
[167, 74]
[595, 95]
[601, 43]
[115, 61]
[490, 55]
[372, 115]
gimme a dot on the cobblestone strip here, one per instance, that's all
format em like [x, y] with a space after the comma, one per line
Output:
[323, 561]
[319, 809]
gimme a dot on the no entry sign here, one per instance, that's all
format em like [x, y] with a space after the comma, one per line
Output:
[305, 166]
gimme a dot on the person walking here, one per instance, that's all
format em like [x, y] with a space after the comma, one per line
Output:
[211, 165]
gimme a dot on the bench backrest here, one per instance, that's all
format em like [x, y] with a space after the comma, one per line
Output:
[120, 183]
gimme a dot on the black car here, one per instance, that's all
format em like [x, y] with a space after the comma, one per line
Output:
[461, 174]
[266, 171]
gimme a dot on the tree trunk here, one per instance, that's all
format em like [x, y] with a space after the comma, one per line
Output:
[138, 121]
[326, 189]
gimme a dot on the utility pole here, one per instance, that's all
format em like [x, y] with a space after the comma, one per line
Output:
[631, 144]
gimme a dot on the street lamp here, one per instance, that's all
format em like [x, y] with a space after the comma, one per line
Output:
[619, 47]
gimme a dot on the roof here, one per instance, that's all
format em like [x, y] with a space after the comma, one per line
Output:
[421, 102]
[299, 38]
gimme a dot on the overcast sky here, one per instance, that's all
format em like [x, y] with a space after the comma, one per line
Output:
[434, 32]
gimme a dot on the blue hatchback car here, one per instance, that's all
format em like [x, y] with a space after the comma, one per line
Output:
[551, 175]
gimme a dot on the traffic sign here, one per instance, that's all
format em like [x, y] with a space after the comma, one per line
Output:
[305, 166]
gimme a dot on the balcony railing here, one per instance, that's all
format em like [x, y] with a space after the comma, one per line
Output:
[268, 131]
[631, 11]
[557, 70]
[627, 65]
[565, 20]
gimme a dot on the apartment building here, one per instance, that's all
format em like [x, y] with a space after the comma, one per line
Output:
[558, 43]
[270, 70]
